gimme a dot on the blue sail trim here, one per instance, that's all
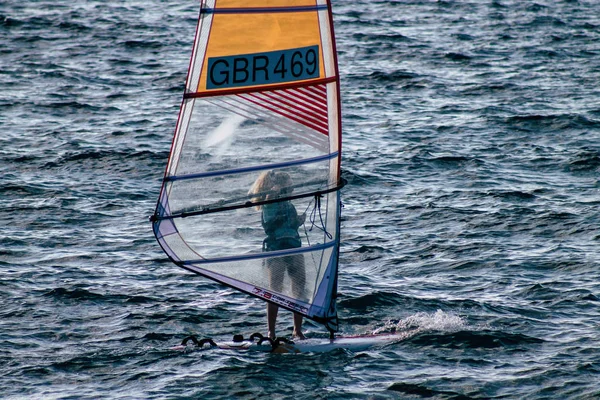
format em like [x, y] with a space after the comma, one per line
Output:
[268, 254]
[252, 169]
[261, 10]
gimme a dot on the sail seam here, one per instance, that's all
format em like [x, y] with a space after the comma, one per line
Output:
[248, 204]
[261, 10]
[252, 169]
[269, 254]
[262, 88]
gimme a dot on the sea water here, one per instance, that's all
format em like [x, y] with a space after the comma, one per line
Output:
[470, 220]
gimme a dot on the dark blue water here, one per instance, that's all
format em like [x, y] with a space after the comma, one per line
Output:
[471, 222]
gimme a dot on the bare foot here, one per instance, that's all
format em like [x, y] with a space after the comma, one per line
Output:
[298, 335]
[271, 335]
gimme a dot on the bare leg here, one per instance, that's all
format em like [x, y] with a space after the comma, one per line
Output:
[298, 276]
[298, 326]
[272, 310]
[276, 284]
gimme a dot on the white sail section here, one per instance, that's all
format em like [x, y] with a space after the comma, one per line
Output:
[270, 103]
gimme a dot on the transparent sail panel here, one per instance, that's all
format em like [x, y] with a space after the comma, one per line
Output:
[226, 133]
[240, 232]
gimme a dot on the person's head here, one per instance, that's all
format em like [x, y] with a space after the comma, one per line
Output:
[282, 181]
[269, 182]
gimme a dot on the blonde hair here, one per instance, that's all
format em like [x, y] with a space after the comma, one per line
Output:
[265, 182]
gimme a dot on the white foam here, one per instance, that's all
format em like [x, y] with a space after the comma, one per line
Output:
[424, 322]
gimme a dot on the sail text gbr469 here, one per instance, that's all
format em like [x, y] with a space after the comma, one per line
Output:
[262, 94]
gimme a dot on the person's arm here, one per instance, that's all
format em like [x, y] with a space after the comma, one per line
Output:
[301, 218]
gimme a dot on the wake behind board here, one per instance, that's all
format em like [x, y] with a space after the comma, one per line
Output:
[257, 342]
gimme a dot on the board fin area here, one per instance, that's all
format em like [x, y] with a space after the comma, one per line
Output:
[281, 345]
[256, 341]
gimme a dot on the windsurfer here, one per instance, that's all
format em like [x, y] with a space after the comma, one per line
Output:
[281, 221]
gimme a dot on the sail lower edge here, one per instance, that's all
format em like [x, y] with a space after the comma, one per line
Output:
[258, 292]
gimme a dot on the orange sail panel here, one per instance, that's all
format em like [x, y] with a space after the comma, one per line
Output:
[260, 43]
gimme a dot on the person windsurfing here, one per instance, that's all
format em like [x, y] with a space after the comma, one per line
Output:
[280, 221]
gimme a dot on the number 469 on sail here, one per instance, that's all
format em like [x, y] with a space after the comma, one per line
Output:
[263, 68]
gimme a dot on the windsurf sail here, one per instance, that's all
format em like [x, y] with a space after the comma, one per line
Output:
[262, 94]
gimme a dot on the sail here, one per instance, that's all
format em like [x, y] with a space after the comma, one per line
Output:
[262, 94]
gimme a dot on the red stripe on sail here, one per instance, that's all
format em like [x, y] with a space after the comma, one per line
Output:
[278, 110]
[300, 109]
[305, 105]
[292, 114]
[313, 94]
[320, 105]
